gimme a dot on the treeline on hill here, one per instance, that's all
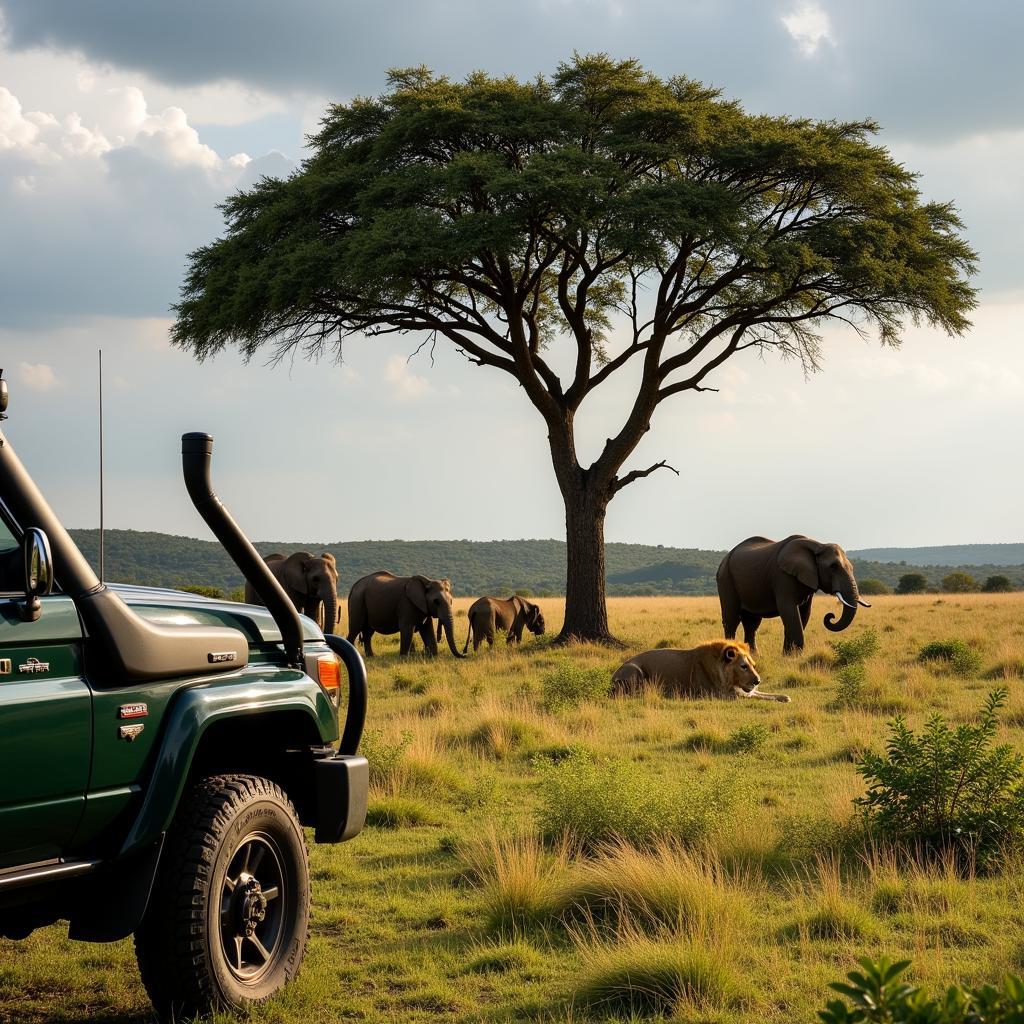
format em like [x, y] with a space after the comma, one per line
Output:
[976, 555]
[474, 567]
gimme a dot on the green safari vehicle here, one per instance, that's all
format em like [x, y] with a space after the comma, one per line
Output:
[160, 754]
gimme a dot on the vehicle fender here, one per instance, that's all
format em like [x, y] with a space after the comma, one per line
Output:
[193, 711]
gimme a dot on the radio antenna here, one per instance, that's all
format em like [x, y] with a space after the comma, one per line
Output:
[101, 461]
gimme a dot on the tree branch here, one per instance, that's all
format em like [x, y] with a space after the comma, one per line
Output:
[638, 474]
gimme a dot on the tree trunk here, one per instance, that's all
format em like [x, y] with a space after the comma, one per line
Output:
[586, 611]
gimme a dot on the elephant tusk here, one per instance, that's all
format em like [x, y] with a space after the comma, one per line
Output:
[863, 603]
[844, 601]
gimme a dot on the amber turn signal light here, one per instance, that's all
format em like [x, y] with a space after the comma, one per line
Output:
[328, 671]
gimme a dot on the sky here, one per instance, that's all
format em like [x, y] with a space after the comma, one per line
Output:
[123, 125]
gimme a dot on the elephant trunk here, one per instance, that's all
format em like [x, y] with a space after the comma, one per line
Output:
[445, 621]
[331, 611]
[847, 592]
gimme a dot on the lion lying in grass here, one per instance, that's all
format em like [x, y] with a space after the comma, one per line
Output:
[721, 668]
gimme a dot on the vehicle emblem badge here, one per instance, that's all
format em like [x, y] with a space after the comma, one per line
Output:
[34, 665]
[5, 666]
[130, 732]
[219, 656]
[133, 711]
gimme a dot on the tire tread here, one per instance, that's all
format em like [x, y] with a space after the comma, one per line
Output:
[169, 944]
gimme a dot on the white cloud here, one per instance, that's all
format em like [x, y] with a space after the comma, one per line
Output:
[809, 25]
[20, 131]
[37, 376]
[405, 384]
[123, 119]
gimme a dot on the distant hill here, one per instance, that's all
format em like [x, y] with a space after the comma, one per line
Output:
[493, 567]
[950, 554]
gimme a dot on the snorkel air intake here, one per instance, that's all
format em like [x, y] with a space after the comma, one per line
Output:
[196, 452]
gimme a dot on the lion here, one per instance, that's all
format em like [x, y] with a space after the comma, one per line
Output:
[721, 668]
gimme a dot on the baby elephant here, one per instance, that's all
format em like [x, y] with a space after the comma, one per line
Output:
[721, 668]
[490, 613]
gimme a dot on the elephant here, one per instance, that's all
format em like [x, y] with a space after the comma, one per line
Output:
[310, 581]
[385, 603]
[761, 578]
[512, 615]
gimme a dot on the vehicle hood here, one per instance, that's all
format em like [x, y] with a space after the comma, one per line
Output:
[178, 608]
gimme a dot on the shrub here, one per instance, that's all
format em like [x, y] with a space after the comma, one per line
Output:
[236, 594]
[856, 648]
[997, 585]
[959, 657]
[851, 685]
[747, 739]
[912, 583]
[571, 684]
[878, 994]
[959, 583]
[202, 591]
[597, 802]
[873, 587]
[384, 757]
[947, 791]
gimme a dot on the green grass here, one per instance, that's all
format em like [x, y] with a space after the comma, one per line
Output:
[452, 907]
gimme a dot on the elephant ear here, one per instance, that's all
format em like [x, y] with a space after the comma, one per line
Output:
[415, 591]
[798, 559]
[329, 559]
[294, 572]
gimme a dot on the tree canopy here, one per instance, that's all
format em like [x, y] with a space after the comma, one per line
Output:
[603, 209]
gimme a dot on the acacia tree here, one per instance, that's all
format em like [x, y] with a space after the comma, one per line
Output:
[594, 219]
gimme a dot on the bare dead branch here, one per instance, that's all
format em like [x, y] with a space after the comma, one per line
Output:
[638, 474]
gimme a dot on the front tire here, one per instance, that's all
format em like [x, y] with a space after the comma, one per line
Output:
[229, 913]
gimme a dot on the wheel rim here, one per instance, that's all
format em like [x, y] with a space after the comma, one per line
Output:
[253, 905]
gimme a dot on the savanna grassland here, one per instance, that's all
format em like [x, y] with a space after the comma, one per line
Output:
[489, 885]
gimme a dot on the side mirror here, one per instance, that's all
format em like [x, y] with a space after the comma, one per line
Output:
[38, 572]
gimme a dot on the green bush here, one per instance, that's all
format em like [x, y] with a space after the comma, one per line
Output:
[873, 587]
[599, 801]
[856, 648]
[997, 585]
[202, 591]
[877, 993]
[851, 685]
[912, 583]
[947, 790]
[959, 657]
[570, 685]
[747, 739]
[959, 583]
[384, 757]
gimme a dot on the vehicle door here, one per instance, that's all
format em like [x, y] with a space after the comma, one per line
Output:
[45, 718]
